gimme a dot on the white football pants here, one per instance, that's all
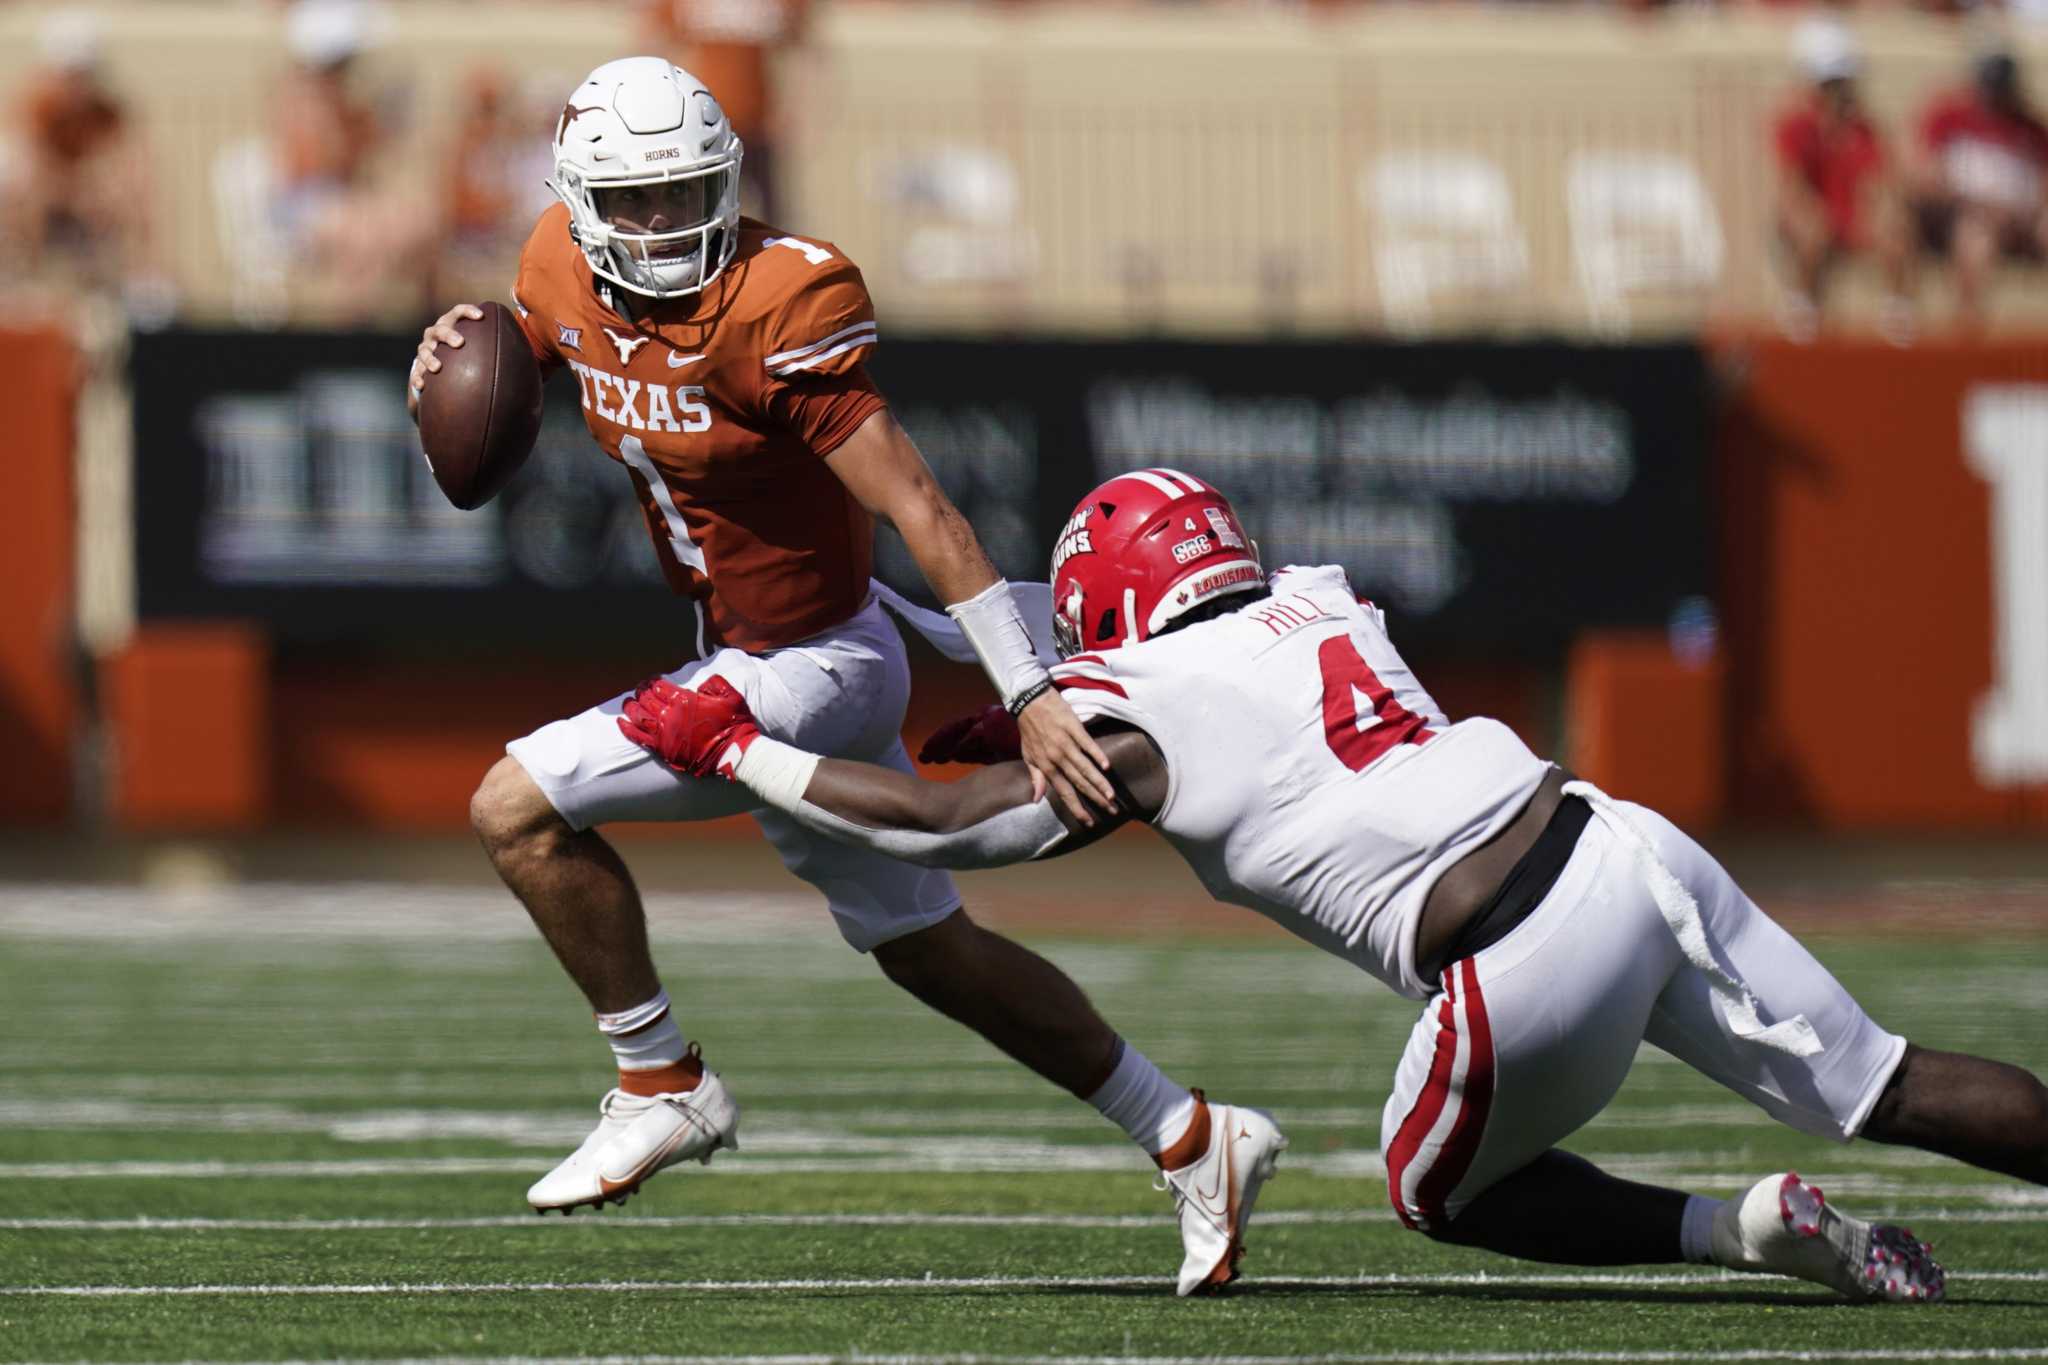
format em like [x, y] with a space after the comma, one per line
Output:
[841, 693]
[1530, 1038]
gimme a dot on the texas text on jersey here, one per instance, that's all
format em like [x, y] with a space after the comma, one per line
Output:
[722, 406]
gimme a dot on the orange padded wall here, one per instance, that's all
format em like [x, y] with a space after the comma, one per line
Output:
[188, 709]
[1860, 584]
[38, 697]
[1646, 726]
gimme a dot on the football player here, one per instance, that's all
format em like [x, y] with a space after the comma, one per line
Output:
[1267, 728]
[720, 362]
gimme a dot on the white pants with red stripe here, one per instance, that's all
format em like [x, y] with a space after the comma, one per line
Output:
[1530, 1038]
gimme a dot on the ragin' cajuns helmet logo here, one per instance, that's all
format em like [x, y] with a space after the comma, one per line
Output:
[1073, 539]
[1066, 615]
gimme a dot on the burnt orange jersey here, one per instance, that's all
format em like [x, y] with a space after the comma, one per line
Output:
[722, 407]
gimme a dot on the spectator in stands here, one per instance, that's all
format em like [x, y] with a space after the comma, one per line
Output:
[731, 46]
[1978, 178]
[497, 165]
[1835, 194]
[344, 228]
[75, 189]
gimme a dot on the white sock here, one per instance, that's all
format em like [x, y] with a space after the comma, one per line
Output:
[644, 1038]
[1696, 1229]
[1139, 1099]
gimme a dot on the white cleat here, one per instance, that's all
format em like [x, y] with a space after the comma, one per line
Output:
[1215, 1193]
[1784, 1225]
[635, 1137]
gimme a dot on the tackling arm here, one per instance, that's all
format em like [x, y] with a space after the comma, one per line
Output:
[989, 819]
[992, 818]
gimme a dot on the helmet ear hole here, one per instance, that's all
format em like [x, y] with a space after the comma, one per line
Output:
[1105, 629]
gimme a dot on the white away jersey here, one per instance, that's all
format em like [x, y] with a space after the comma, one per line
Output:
[1310, 776]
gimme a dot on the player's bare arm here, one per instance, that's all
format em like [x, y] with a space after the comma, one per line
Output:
[882, 468]
[881, 799]
[992, 818]
[440, 332]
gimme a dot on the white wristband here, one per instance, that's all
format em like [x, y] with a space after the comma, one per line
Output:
[778, 773]
[993, 625]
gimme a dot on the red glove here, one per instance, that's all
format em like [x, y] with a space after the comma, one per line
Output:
[985, 736]
[701, 732]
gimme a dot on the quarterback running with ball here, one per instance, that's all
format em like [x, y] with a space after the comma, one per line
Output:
[1266, 726]
[720, 363]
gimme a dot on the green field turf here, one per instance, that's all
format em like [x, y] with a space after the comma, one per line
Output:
[296, 1122]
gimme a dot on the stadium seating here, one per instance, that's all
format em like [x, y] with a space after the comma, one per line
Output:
[1196, 170]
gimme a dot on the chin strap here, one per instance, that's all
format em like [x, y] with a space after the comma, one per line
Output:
[1682, 913]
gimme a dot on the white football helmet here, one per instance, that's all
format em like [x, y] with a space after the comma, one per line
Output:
[639, 121]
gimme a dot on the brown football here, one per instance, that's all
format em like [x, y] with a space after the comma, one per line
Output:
[480, 414]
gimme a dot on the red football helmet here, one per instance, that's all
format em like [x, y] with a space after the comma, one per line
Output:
[1141, 550]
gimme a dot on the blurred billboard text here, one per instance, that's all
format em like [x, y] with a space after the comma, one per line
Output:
[1486, 494]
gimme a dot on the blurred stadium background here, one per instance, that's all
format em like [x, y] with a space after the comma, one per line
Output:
[1492, 303]
[1500, 305]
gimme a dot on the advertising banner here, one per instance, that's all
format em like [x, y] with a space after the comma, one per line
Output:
[1496, 499]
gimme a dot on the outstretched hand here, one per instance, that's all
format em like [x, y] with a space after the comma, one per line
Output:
[989, 735]
[1061, 751]
[699, 731]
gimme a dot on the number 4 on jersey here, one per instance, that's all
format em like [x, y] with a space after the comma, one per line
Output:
[1361, 719]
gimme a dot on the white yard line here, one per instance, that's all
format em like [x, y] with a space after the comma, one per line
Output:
[629, 1222]
[549, 1126]
[1276, 1218]
[272, 912]
[929, 1157]
[833, 1153]
[427, 1288]
[1434, 1357]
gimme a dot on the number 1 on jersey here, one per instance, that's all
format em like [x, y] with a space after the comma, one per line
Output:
[1360, 736]
[813, 253]
[679, 542]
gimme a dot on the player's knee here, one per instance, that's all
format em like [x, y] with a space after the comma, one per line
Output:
[1441, 1228]
[1407, 1219]
[920, 961]
[507, 810]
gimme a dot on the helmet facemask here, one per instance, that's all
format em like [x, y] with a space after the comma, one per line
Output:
[642, 142]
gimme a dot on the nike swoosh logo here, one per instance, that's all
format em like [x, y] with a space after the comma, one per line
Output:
[652, 1161]
[676, 362]
[646, 1167]
[1212, 1201]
